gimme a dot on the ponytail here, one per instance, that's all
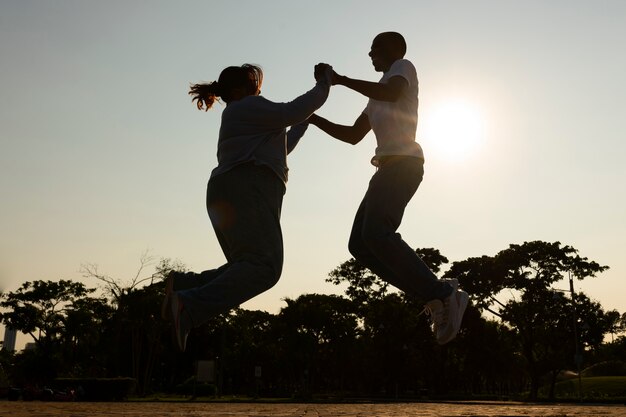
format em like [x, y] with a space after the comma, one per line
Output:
[248, 77]
[205, 94]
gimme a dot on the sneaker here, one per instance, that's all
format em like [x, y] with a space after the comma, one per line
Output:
[454, 307]
[434, 309]
[166, 305]
[181, 321]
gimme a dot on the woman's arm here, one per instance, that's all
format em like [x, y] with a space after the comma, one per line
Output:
[300, 108]
[294, 135]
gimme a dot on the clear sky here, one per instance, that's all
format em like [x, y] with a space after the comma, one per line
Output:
[103, 156]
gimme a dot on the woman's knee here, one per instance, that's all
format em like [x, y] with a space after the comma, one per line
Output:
[269, 273]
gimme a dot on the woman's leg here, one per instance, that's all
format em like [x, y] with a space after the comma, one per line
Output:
[244, 205]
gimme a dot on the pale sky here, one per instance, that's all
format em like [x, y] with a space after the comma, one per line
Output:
[103, 156]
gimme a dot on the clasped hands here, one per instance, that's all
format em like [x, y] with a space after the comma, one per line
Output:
[321, 69]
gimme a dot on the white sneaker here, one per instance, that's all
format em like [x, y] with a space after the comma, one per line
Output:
[453, 309]
[434, 309]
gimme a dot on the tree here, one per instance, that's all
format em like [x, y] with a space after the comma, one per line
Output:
[364, 286]
[38, 308]
[317, 335]
[117, 288]
[397, 343]
[526, 273]
[136, 327]
[83, 339]
[246, 340]
[484, 357]
[137, 324]
[614, 323]
[63, 320]
[614, 352]
[398, 347]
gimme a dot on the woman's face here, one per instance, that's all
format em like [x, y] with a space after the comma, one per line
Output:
[238, 93]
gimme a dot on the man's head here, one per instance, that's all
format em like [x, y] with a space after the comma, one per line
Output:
[387, 47]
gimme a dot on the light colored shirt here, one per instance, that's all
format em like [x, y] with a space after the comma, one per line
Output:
[253, 129]
[395, 123]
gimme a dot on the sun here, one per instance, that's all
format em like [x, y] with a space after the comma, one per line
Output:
[452, 129]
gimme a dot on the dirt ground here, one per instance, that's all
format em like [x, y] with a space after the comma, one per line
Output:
[155, 409]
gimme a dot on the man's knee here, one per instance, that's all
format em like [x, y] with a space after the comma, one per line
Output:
[357, 247]
[365, 249]
[373, 241]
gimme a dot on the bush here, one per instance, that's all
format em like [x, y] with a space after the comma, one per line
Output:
[14, 394]
[98, 389]
[599, 388]
[196, 389]
[608, 368]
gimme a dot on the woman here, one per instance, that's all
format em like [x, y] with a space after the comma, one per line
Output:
[244, 194]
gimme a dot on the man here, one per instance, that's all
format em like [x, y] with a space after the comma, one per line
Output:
[392, 114]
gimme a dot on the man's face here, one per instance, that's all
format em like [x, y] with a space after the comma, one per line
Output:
[380, 54]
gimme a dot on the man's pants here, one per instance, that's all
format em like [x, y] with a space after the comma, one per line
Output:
[244, 206]
[374, 241]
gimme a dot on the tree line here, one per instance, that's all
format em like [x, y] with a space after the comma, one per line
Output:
[518, 333]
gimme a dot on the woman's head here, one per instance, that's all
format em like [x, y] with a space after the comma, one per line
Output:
[234, 83]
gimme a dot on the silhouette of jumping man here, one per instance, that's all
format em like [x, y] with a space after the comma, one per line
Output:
[391, 113]
[244, 194]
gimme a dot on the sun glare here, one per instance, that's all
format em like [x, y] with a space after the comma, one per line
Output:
[451, 129]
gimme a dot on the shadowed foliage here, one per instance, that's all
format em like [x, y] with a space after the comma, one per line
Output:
[519, 332]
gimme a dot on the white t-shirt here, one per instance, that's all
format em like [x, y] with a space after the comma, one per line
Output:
[395, 123]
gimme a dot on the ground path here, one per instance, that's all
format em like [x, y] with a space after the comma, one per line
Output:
[156, 409]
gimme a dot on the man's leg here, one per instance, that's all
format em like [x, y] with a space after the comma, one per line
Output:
[362, 253]
[374, 240]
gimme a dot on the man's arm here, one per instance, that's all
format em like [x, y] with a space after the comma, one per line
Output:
[389, 91]
[349, 134]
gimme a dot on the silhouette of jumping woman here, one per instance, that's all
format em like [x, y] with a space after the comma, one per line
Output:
[244, 194]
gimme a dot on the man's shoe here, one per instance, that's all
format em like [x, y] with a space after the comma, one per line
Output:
[434, 309]
[454, 307]
[181, 321]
